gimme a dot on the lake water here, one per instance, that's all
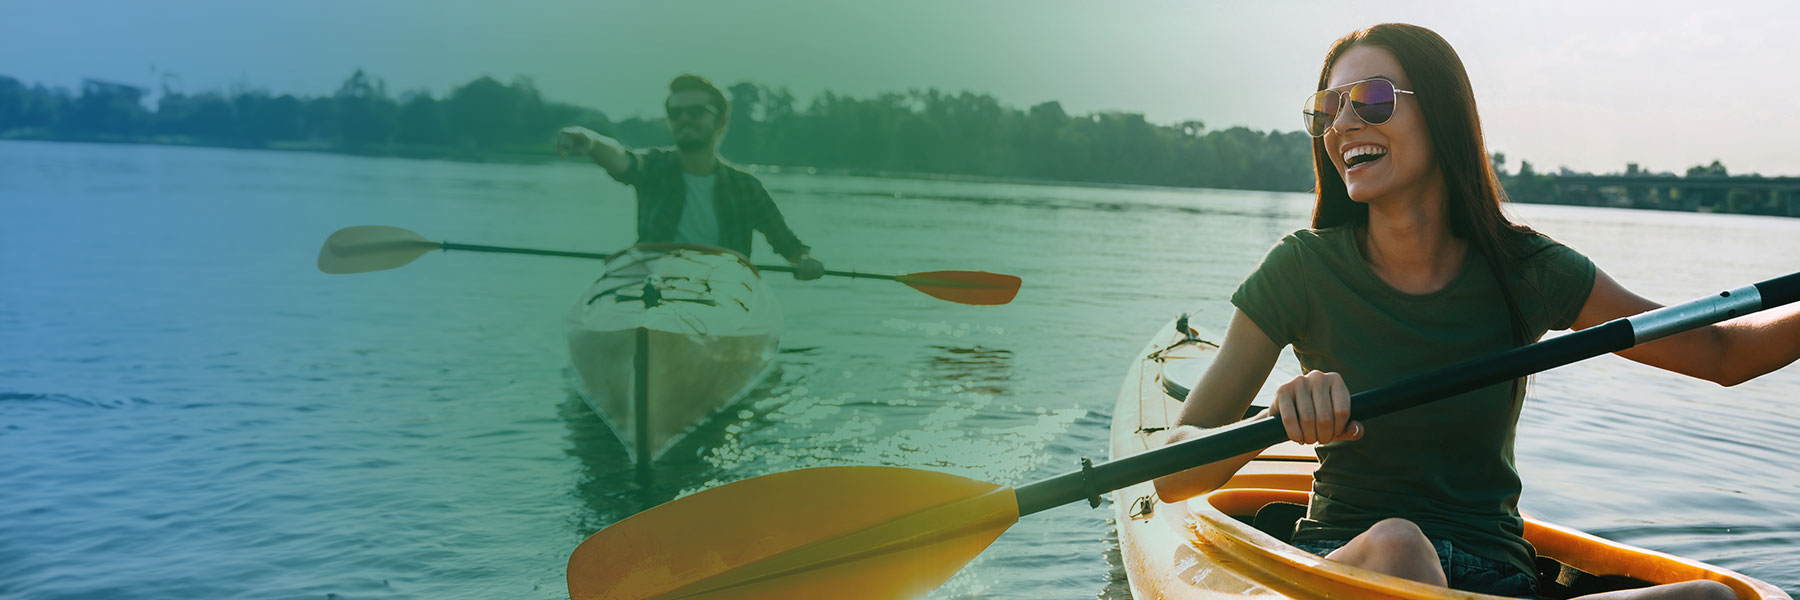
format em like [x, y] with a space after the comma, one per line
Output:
[189, 409]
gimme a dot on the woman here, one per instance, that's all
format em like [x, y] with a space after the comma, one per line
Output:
[1411, 265]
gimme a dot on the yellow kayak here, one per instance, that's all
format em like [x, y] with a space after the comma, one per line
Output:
[1209, 546]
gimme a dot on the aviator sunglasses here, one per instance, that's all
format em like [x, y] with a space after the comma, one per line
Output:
[1371, 99]
[691, 110]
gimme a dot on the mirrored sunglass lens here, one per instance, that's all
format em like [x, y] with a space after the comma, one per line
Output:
[1373, 101]
[1319, 112]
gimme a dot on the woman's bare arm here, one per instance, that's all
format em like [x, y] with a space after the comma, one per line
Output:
[1727, 353]
[1220, 398]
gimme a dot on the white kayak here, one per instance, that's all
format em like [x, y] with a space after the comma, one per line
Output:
[668, 337]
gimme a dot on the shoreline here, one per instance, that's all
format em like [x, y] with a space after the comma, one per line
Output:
[522, 156]
[548, 157]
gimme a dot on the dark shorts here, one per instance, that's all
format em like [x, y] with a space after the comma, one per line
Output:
[1466, 572]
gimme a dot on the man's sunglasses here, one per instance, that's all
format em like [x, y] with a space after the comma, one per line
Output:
[1371, 99]
[692, 110]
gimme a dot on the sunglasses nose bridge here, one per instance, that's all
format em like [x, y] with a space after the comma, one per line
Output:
[1346, 112]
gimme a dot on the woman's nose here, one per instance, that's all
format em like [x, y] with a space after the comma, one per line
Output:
[1346, 119]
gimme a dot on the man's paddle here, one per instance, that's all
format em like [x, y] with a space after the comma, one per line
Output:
[378, 247]
[889, 532]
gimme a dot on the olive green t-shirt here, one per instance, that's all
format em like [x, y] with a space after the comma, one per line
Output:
[1446, 466]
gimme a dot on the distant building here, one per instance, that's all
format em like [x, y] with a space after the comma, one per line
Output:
[110, 89]
[109, 109]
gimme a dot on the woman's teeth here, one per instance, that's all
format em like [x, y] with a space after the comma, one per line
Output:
[1363, 154]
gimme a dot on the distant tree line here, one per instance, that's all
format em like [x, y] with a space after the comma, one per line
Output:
[973, 134]
[916, 132]
[913, 132]
[482, 116]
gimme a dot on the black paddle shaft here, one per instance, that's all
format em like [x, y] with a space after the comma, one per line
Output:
[1250, 436]
[850, 274]
[531, 251]
[537, 252]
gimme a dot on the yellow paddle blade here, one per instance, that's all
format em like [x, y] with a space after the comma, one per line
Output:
[967, 287]
[367, 248]
[827, 532]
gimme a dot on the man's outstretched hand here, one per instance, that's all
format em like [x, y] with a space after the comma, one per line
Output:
[576, 141]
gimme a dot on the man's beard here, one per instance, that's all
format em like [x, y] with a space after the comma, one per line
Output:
[694, 143]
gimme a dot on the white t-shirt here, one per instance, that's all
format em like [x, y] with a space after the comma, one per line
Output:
[699, 222]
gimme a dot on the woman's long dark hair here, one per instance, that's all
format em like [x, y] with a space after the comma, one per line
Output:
[1441, 86]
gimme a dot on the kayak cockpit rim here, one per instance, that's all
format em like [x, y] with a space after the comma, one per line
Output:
[668, 247]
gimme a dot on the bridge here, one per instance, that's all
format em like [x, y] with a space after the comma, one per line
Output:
[1742, 194]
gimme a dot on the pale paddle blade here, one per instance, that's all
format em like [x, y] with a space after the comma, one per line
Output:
[367, 248]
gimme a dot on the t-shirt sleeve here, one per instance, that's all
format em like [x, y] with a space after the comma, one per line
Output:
[1563, 278]
[1274, 295]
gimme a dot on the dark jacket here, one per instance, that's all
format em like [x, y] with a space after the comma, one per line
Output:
[739, 200]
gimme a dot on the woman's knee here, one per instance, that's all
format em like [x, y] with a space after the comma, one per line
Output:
[1686, 590]
[1396, 547]
[1394, 541]
[1397, 534]
[1706, 590]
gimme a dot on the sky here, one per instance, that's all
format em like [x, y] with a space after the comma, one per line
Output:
[1587, 85]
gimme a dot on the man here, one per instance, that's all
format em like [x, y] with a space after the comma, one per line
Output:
[686, 193]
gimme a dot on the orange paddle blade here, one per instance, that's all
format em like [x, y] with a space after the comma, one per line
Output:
[966, 287]
[828, 532]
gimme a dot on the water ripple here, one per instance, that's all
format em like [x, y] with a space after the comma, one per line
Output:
[243, 426]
